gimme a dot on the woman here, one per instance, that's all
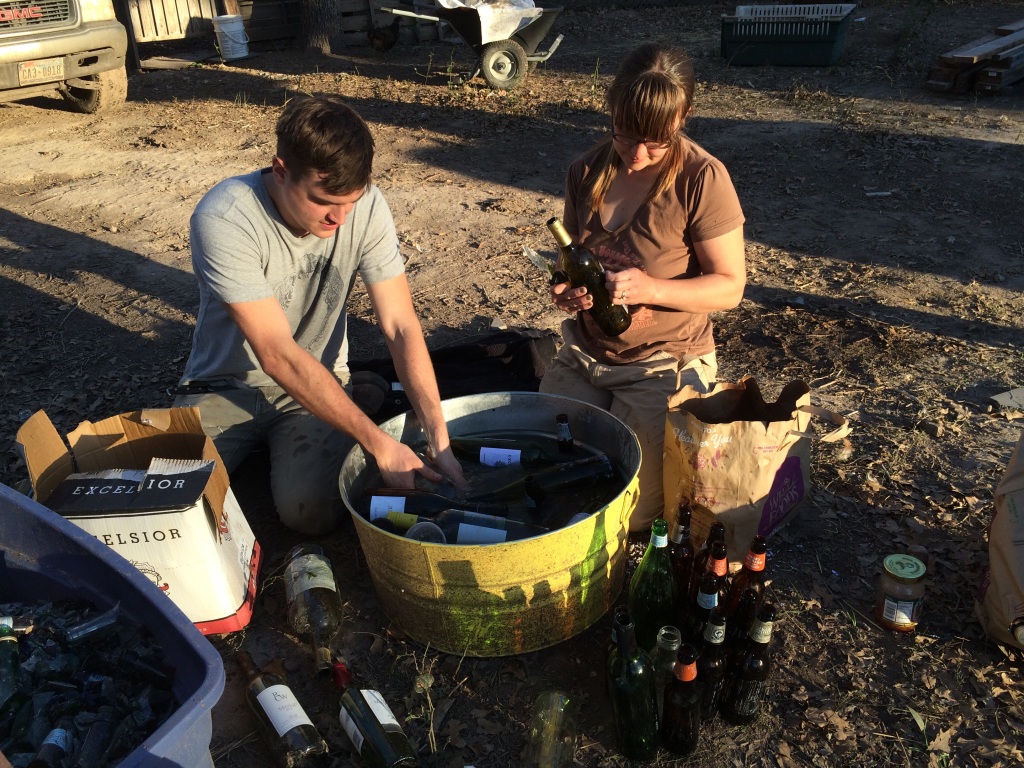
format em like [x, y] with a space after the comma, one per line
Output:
[663, 217]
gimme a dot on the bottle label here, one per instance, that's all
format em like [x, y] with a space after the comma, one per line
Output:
[381, 505]
[59, 738]
[307, 572]
[685, 672]
[659, 541]
[761, 632]
[709, 602]
[282, 708]
[902, 612]
[714, 633]
[7, 621]
[755, 561]
[499, 457]
[747, 697]
[380, 708]
[562, 432]
[719, 567]
[479, 534]
[349, 726]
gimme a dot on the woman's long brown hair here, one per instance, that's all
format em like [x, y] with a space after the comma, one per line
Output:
[649, 98]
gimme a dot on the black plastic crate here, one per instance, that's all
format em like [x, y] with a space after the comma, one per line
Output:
[786, 35]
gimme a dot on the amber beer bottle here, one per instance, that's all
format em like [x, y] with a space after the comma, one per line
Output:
[680, 724]
[711, 665]
[314, 606]
[700, 560]
[584, 270]
[680, 551]
[752, 575]
[284, 725]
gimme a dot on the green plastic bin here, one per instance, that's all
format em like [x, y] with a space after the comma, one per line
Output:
[786, 35]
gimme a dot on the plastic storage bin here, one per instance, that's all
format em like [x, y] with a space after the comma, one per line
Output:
[44, 557]
[786, 35]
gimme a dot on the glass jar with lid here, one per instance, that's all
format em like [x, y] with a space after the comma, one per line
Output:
[900, 593]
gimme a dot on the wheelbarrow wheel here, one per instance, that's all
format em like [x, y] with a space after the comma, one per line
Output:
[503, 64]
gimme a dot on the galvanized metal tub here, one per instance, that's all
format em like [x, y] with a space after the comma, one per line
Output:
[514, 597]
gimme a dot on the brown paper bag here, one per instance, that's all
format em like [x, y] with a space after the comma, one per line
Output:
[740, 460]
[1000, 599]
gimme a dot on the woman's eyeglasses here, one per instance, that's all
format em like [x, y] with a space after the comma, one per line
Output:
[629, 143]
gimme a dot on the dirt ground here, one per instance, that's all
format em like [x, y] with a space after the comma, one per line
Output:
[885, 243]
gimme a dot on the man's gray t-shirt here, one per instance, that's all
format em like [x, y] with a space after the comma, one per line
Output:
[243, 251]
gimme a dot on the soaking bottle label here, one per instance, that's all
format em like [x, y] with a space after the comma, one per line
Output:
[381, 505]
[479, 534]
[307, 572]
[282, 708]
[499, 457]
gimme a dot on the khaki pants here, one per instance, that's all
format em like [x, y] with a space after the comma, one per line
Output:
[305, 453]
[637, 394]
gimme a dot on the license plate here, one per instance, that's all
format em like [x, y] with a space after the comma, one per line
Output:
[41, 71]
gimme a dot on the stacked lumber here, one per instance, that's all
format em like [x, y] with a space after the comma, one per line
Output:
[988, 64]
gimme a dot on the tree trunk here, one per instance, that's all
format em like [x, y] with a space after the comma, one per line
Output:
[320, 26]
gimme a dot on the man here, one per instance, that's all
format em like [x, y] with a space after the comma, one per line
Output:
[276, 253]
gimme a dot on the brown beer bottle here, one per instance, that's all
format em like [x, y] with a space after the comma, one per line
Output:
[680, 552]
[584, 270]
[700, 560]
[752, 575]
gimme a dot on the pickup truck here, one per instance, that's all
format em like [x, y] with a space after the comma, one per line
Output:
[72, 47]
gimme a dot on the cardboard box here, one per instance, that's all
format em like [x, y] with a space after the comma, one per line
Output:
[175, 519]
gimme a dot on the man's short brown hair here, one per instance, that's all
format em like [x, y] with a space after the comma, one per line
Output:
[322, 134]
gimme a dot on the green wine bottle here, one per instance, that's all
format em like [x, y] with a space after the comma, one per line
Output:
[423, 503]
[534, 488]
[584, 270]
[500, 451]
[371, 726]
[652, 590]
[631, 686]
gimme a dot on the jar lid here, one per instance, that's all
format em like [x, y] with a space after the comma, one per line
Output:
[904, 568]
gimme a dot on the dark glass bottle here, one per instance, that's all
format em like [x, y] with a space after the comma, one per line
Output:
[631, 686]
[700, 560]
[711, 665]
[740, 622]
[680, 551]
[283, 724]
[563, 435]
[703, 606]
[57, 745]
[97, 739]
[12, 694]
[500, 451]
[314, 606]
[751, 576]
[652, 590]
[370, 724]
[680, 727]
[663, 657]
[534, 488]
[749, 682]
[461, 527]
[422, 503]
[585, 270]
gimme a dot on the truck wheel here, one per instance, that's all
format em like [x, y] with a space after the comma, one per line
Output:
[503, 64]
[110, 93]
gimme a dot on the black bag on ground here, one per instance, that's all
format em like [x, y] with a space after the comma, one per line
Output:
[506, 361]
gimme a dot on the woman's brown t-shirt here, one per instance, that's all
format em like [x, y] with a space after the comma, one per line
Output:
[659, 240]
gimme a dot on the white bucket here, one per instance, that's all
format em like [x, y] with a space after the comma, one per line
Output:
[232, 41]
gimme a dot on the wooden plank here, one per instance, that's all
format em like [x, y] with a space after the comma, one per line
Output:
[1009, 29]
[972, 53]
[1001, 76]
[230, 8]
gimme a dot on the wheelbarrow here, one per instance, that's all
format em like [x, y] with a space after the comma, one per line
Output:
[505, 39]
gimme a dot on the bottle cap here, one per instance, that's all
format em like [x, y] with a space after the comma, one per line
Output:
[906, 569]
